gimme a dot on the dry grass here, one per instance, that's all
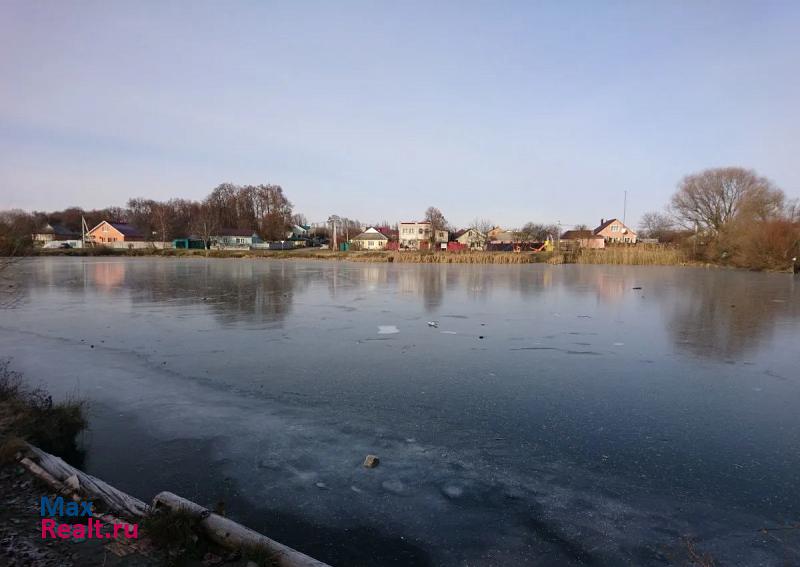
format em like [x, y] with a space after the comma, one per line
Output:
[639, 255]
[31, 415]
[472, 257]
[10, 449]
[180, 535]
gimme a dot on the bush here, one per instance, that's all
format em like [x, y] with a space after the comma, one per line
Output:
[768, 245]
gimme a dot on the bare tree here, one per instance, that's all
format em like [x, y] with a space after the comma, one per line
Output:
[16, 232]
[140, 214]
[222, 203]
[182, 212]
[205, 222]
[162, 214]
[714, 197]
[536, 232]
[656, 225]
[481, 225]
[437, 220]
[482, 228]
[277, 212]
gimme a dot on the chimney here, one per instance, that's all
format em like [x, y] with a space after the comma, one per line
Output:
[602, 221]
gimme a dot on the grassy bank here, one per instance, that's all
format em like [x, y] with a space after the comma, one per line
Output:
[29, 414]
[639, 255]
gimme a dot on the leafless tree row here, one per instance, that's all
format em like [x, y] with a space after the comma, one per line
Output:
[265, 209]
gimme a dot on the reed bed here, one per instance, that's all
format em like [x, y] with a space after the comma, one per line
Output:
[640, 255]
[477, 257]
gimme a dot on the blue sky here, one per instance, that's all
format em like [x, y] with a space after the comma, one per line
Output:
[508, 111]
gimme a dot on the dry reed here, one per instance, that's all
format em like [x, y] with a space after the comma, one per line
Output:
[640, 255]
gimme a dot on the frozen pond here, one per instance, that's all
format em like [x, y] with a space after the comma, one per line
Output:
[573, 415]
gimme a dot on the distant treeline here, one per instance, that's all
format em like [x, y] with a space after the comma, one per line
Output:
[726, 215]
[265, 209]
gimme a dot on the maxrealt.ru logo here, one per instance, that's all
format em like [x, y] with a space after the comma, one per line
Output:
[71, 513]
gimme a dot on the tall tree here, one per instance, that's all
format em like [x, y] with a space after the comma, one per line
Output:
[140, 214]
[714, 197]
[162, 214]
[205, 222]
[277, 212]
[222, 204]
[437, 220]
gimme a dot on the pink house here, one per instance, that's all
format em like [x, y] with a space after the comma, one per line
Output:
[584, 238]
[614, 230]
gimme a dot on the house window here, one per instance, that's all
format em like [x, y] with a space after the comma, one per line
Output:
[614, 228]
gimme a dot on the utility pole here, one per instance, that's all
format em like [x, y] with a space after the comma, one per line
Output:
[625, 207]
[84, 232]
[333, 219]
[558, 238]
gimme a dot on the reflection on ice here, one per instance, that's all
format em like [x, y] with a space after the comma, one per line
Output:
[551, 443]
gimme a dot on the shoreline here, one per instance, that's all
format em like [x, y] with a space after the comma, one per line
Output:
[38, 487]
[616, 256]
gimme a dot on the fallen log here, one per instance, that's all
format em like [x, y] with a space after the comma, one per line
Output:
[76, 484]
[231, 535]
[118, 502]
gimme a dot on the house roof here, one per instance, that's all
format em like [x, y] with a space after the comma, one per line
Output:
[126, 229]
[503, 235]
[56, 229]
[459, 233]
[386, 230]
[609, 222]
[605, 224]
[235, 232]
[370, 234]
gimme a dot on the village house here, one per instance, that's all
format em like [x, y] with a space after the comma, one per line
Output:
[501, 236]
[298, 231]
[417, 235]
[116, 235]
[471, 238]
[613, 230]
[391, 233]
[370, 239]
[236, 238]
[52, 233]
[583, 239]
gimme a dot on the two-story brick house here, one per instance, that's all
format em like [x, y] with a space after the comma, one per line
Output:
[417, 235]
